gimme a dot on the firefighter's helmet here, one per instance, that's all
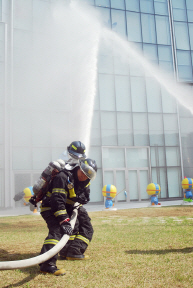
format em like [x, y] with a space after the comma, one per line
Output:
[77, 150]
[89, 168]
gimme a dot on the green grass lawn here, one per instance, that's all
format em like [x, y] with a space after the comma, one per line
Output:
[149, 247]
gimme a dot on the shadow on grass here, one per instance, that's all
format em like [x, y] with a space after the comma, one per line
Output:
[160, 252]
[31, 271]
[7, 256]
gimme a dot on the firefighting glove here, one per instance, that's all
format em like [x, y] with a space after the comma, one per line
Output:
[66, 227]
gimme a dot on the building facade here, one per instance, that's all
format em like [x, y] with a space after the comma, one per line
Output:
[140, 133]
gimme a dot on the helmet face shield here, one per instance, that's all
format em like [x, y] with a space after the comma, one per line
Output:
[76, 155]
[88, 170]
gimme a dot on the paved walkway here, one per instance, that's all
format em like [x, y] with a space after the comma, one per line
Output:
[91, 207]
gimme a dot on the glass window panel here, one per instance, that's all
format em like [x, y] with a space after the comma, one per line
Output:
[22, 13]
[171, 130]
[95, 136]
[96, 100]
[108, 120]
[104, 16]
[118, 22]
[21, 158]
[168, 102]
[113, 158]
[150, 52]
[105, 64]
[144, 181]
[122, 90]
[188, 172]
[118, 4]
[157, 156]
[132, 5]
[136, 69]
[190, 15]
[140, 129]
[191, 35]
[159, 176]
[137, 157]
[187, 153]
[156, 129]
[161, 7]
[120, 185]
[184, 65]
[181, 35]
[91, 2]
[96, 120]
[154, 103]
[179, 7]
[125, 137]
[148, 28]
[121, 67]
[104, 3]
[165, 58]
[124, 121]
[174, 182]
[146, 6]
[179, 14]
[134, 27]
[180, 4]
[124, 126]
[108, 178]
[133, 184]
[109, 137]
[138, 94]
[189, 4]
[172, 156]
[108, 126]
[163, 30]
[186, 128]
[95, 153]
[95, 188]
[184, 111]
[107, 93]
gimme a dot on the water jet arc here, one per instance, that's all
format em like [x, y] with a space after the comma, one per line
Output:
[18, 264]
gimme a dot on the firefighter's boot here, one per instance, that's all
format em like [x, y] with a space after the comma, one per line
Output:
[77, 257]
[51, 269]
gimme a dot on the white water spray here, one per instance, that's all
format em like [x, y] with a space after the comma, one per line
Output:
[58, 75]
[128, 54]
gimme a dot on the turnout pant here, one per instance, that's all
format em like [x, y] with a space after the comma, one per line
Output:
[54, 235]
[82, 235]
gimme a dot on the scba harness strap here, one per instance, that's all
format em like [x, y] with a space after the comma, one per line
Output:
[42, 192]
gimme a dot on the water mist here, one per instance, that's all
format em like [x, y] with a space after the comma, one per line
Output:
[127, 53]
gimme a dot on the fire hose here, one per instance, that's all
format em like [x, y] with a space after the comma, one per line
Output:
[8, 265]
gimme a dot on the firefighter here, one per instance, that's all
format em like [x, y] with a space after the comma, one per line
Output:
[68, 187]
[83, 230]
